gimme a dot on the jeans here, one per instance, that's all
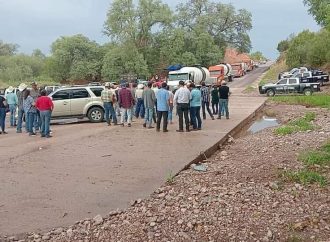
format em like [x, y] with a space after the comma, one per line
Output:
[223, 104]
[37, 121]
[148, 116]
[45, 122]
[160, 115]
[215, 107]
[170, 115]
[30, 121]
[183, 109]
[196, 117]
[2, 118]
[139, 111]
[109, 111]
[207, 104]
[12, 109]
[20, 120]
[126, 112]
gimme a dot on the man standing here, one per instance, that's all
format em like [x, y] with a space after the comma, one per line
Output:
[108, 97]
[224, 94]
[126, 104]
[45, 106]
[149, 99]
[195, 107]
[215, 100]
[20, 96]
[206, 100]
[139, 110]
[12, 101]
[163, 102]
[181, 99]
[34, 93]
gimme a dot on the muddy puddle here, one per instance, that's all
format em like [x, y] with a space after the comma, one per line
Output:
[262, 123]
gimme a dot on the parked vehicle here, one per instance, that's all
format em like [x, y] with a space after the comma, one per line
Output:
[50, 89]
[195, 74]
[221, 72]
[293, 72]
[289, 85]
[238, 69]
[313, 76]
[78, 102]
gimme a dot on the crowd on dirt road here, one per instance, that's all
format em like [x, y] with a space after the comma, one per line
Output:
[153, 103]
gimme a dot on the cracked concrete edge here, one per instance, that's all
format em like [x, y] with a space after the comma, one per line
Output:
[214, 148]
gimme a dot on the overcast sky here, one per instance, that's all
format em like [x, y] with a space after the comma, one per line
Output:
[37, 23]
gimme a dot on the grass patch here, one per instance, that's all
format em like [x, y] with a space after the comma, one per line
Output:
[319, 157]
[272, 73]
[305, 177]
[301, 124]
[320, 100]
[170, 178]
[315, 158]
[250, 88]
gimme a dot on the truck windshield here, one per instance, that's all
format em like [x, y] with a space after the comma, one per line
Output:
[215, 73]
[178, 77]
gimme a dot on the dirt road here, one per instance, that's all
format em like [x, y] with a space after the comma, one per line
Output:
[88, 169]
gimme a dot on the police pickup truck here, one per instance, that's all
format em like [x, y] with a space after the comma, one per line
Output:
[313, 76]
[289, 85]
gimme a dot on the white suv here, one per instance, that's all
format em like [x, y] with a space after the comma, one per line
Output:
[78, 102]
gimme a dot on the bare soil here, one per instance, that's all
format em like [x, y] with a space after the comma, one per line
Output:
[240, 197]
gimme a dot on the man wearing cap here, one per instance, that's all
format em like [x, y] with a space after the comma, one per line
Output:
[108, 97]
[139, 111]
[181, 99]
[224, 94]
[20, 96]
[12, 101]
[34, 93]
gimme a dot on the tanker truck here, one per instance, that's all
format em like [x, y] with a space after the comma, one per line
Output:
[221, 72]
[195, 74]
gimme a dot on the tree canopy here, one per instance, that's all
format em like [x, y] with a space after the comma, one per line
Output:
[320, 9]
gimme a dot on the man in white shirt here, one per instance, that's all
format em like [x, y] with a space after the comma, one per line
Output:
[181, 99]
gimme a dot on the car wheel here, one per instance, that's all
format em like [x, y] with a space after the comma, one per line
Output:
[270, 93]
[95, 114]
[308, 92]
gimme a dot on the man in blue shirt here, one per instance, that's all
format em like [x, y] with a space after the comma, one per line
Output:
[195, 107]
[163, 102]
[12, 101]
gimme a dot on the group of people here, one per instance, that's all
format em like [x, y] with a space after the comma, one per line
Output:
[157, 105]
[33, 106]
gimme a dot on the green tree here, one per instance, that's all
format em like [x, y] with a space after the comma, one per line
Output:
[299, 47]
[226, 25]
[257, 56]
[74, 58]
[118, 61]
[320, 9]
[7, 49]
[318, 52]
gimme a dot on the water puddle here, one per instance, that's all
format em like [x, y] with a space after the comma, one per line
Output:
[263, 123]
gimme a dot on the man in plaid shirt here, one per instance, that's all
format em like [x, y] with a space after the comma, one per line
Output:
[108, 97]
[206, 100]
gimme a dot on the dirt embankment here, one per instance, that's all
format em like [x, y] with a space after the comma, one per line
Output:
[241, 197]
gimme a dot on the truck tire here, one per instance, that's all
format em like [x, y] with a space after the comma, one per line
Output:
[95, 114]
[308, 92]
[270, 93]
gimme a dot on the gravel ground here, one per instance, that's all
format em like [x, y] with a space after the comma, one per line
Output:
[239, 198]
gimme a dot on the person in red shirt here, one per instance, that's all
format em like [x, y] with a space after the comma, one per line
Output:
[45, 105]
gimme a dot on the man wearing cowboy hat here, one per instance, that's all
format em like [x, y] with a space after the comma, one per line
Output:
[108, 97]
[12, 101]
[20, 96]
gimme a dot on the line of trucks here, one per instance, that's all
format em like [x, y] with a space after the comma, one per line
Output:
[214, 75]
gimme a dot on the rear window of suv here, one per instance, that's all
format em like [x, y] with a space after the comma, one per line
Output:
[97, 91]
[79, 93]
